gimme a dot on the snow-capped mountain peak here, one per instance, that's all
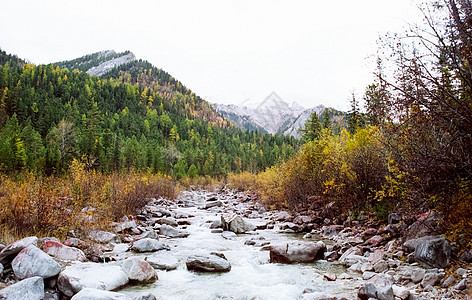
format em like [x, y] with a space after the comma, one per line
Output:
[272, 115]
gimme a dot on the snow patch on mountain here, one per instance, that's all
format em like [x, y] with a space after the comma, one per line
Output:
[272, 115]
[110, 64]
[294, 129]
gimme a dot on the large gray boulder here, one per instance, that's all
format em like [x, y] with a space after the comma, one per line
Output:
[297, 252]
[78, 276]
[172, 232]
[95, 294]
[379, 287]
[215, 203]
[163, 262]
[63, 252]
[139, 270]
[213, 262]
[148, 245]
[27, 289]
[352, 256]
[427, 224]
[433, 252]
[10, 251]
[31, 261]
[236, 224]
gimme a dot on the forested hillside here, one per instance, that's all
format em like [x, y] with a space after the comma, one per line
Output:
[130, 118]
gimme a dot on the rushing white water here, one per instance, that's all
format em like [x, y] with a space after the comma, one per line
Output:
[251, 275]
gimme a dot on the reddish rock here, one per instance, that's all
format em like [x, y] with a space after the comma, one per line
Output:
[139, 270]
[375, 240]
[10, 251]
[370, 231]
[63, 252]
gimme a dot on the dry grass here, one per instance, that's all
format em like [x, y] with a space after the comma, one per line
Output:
[202, 182]
[81, 201]
[243, 181]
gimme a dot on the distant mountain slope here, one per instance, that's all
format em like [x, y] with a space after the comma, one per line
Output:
[273, 115]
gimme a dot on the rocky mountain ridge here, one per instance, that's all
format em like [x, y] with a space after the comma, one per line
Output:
[272, 115]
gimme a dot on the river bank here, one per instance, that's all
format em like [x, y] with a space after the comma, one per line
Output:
[226, 245]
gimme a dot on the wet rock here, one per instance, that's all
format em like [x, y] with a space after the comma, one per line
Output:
[236, 224]
[376, 256]
[168, 221]
[9, 252]
[96, 294]
[147, 296]
[379, 287]
[215, 224]
[208, 263]
[31, 261]
[466, 256]
[297, 252]
[394, 218]
[183, 222]
[228, 235]
[332, 230]
[330, 276]
[331, 255]
[417, 275]
[148, 245]
[430, 279]
[210, 204]
[290, 227]
[283, 216]
[427, 224]
[345, 276]
[151, 234]
[63, 252]
[462, 285]
[375, 240]
[381, 266]
[448, 282]
[352, 256]
[367, 266]
[163, 262]
[27, 289]
[433, 252]
[78, 276]
[51, 296]
[139, 270]
[73, 242]
[368, 275]
[300, 220]
[461, 272]
[172, 232]
[103, 237]
[400, 292]
[370, 231]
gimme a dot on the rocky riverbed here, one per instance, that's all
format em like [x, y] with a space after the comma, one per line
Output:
[225, 245]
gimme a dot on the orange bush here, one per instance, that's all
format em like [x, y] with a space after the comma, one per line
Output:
[83, 200]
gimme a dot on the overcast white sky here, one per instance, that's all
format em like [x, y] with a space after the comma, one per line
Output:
[313, 52]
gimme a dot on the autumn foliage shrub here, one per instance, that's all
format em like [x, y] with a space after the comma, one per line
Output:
[81, 201]
[243, 181]
[201, 182]
[345, 170]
